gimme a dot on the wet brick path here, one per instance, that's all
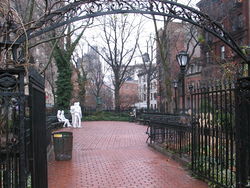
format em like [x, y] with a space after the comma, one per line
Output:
[115, 155]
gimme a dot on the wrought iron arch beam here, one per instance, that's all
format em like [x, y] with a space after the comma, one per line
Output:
[83, 9]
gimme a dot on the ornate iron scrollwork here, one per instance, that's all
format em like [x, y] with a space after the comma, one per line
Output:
[7, 82]
[82, 9]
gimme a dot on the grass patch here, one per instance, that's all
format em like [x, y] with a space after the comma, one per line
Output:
[107, 116]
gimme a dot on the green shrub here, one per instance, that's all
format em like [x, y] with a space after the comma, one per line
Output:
[107, 116]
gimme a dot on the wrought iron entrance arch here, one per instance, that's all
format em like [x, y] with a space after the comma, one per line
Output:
[83, 9]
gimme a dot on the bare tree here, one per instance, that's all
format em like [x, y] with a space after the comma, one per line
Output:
[120, 39]
[149, 65]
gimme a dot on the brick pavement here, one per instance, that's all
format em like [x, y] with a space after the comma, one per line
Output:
[115, 155]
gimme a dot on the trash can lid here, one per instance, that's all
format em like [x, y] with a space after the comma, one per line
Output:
[61, 134]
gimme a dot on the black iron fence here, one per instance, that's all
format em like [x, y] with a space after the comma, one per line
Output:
[173, 137]
[216, 138]
[213, 132]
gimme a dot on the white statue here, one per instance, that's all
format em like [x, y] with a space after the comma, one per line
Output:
[134, 112]
[59, 115]
[76, 114]
[72, 111]
[61, 118]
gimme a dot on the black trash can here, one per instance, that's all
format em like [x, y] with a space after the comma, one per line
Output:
[63, 142]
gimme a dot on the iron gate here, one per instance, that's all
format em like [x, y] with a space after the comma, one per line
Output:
[22, 129]
[38, 130]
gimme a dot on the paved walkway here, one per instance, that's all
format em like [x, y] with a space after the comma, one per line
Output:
[115, 155]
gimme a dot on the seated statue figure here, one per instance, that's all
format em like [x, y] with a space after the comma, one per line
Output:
[59, 115]
[65, 120]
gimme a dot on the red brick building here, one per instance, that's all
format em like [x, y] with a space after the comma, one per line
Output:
[128, 94]
[219, 60]
[177, 38]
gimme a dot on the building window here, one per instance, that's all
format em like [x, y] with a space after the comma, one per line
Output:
[155, 96]
[155, 106]
[144, 96]
[151, 96]
[222, 52]
[191, 69]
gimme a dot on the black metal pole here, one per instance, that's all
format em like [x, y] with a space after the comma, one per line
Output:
[175, 93]
[183, 88]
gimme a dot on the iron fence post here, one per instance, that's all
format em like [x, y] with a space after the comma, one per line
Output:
[242, 132]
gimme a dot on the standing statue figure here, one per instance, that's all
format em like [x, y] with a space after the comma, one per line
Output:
[76, 113]
[72, 111]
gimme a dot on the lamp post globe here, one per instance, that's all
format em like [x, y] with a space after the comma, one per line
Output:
[182, 58]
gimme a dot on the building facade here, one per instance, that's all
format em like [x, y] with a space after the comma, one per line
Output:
[177, 36]
[142, 92]
[128, 94]
[218, 59]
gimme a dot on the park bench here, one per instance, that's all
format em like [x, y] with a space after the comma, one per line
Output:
[161, 125]
[143, 118]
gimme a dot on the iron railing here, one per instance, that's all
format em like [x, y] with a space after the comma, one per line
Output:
[175, 138]
[213, 132]
[172, 132]
[219, 119]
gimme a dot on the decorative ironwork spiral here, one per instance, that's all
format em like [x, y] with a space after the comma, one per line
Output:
[82, 9]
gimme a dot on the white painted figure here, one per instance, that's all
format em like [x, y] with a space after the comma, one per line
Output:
[65, 120]
[59, 115]
[134, 112]
[72, 111]
[76, 114]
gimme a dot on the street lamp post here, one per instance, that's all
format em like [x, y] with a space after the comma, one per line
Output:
[183, 59]
[175, 84]
[146, 59]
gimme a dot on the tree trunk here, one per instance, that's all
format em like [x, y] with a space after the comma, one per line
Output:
[117, 99]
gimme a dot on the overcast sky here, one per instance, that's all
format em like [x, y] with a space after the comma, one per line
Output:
[92, 34]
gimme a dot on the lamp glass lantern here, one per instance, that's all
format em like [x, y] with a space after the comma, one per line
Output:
[182, 58]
